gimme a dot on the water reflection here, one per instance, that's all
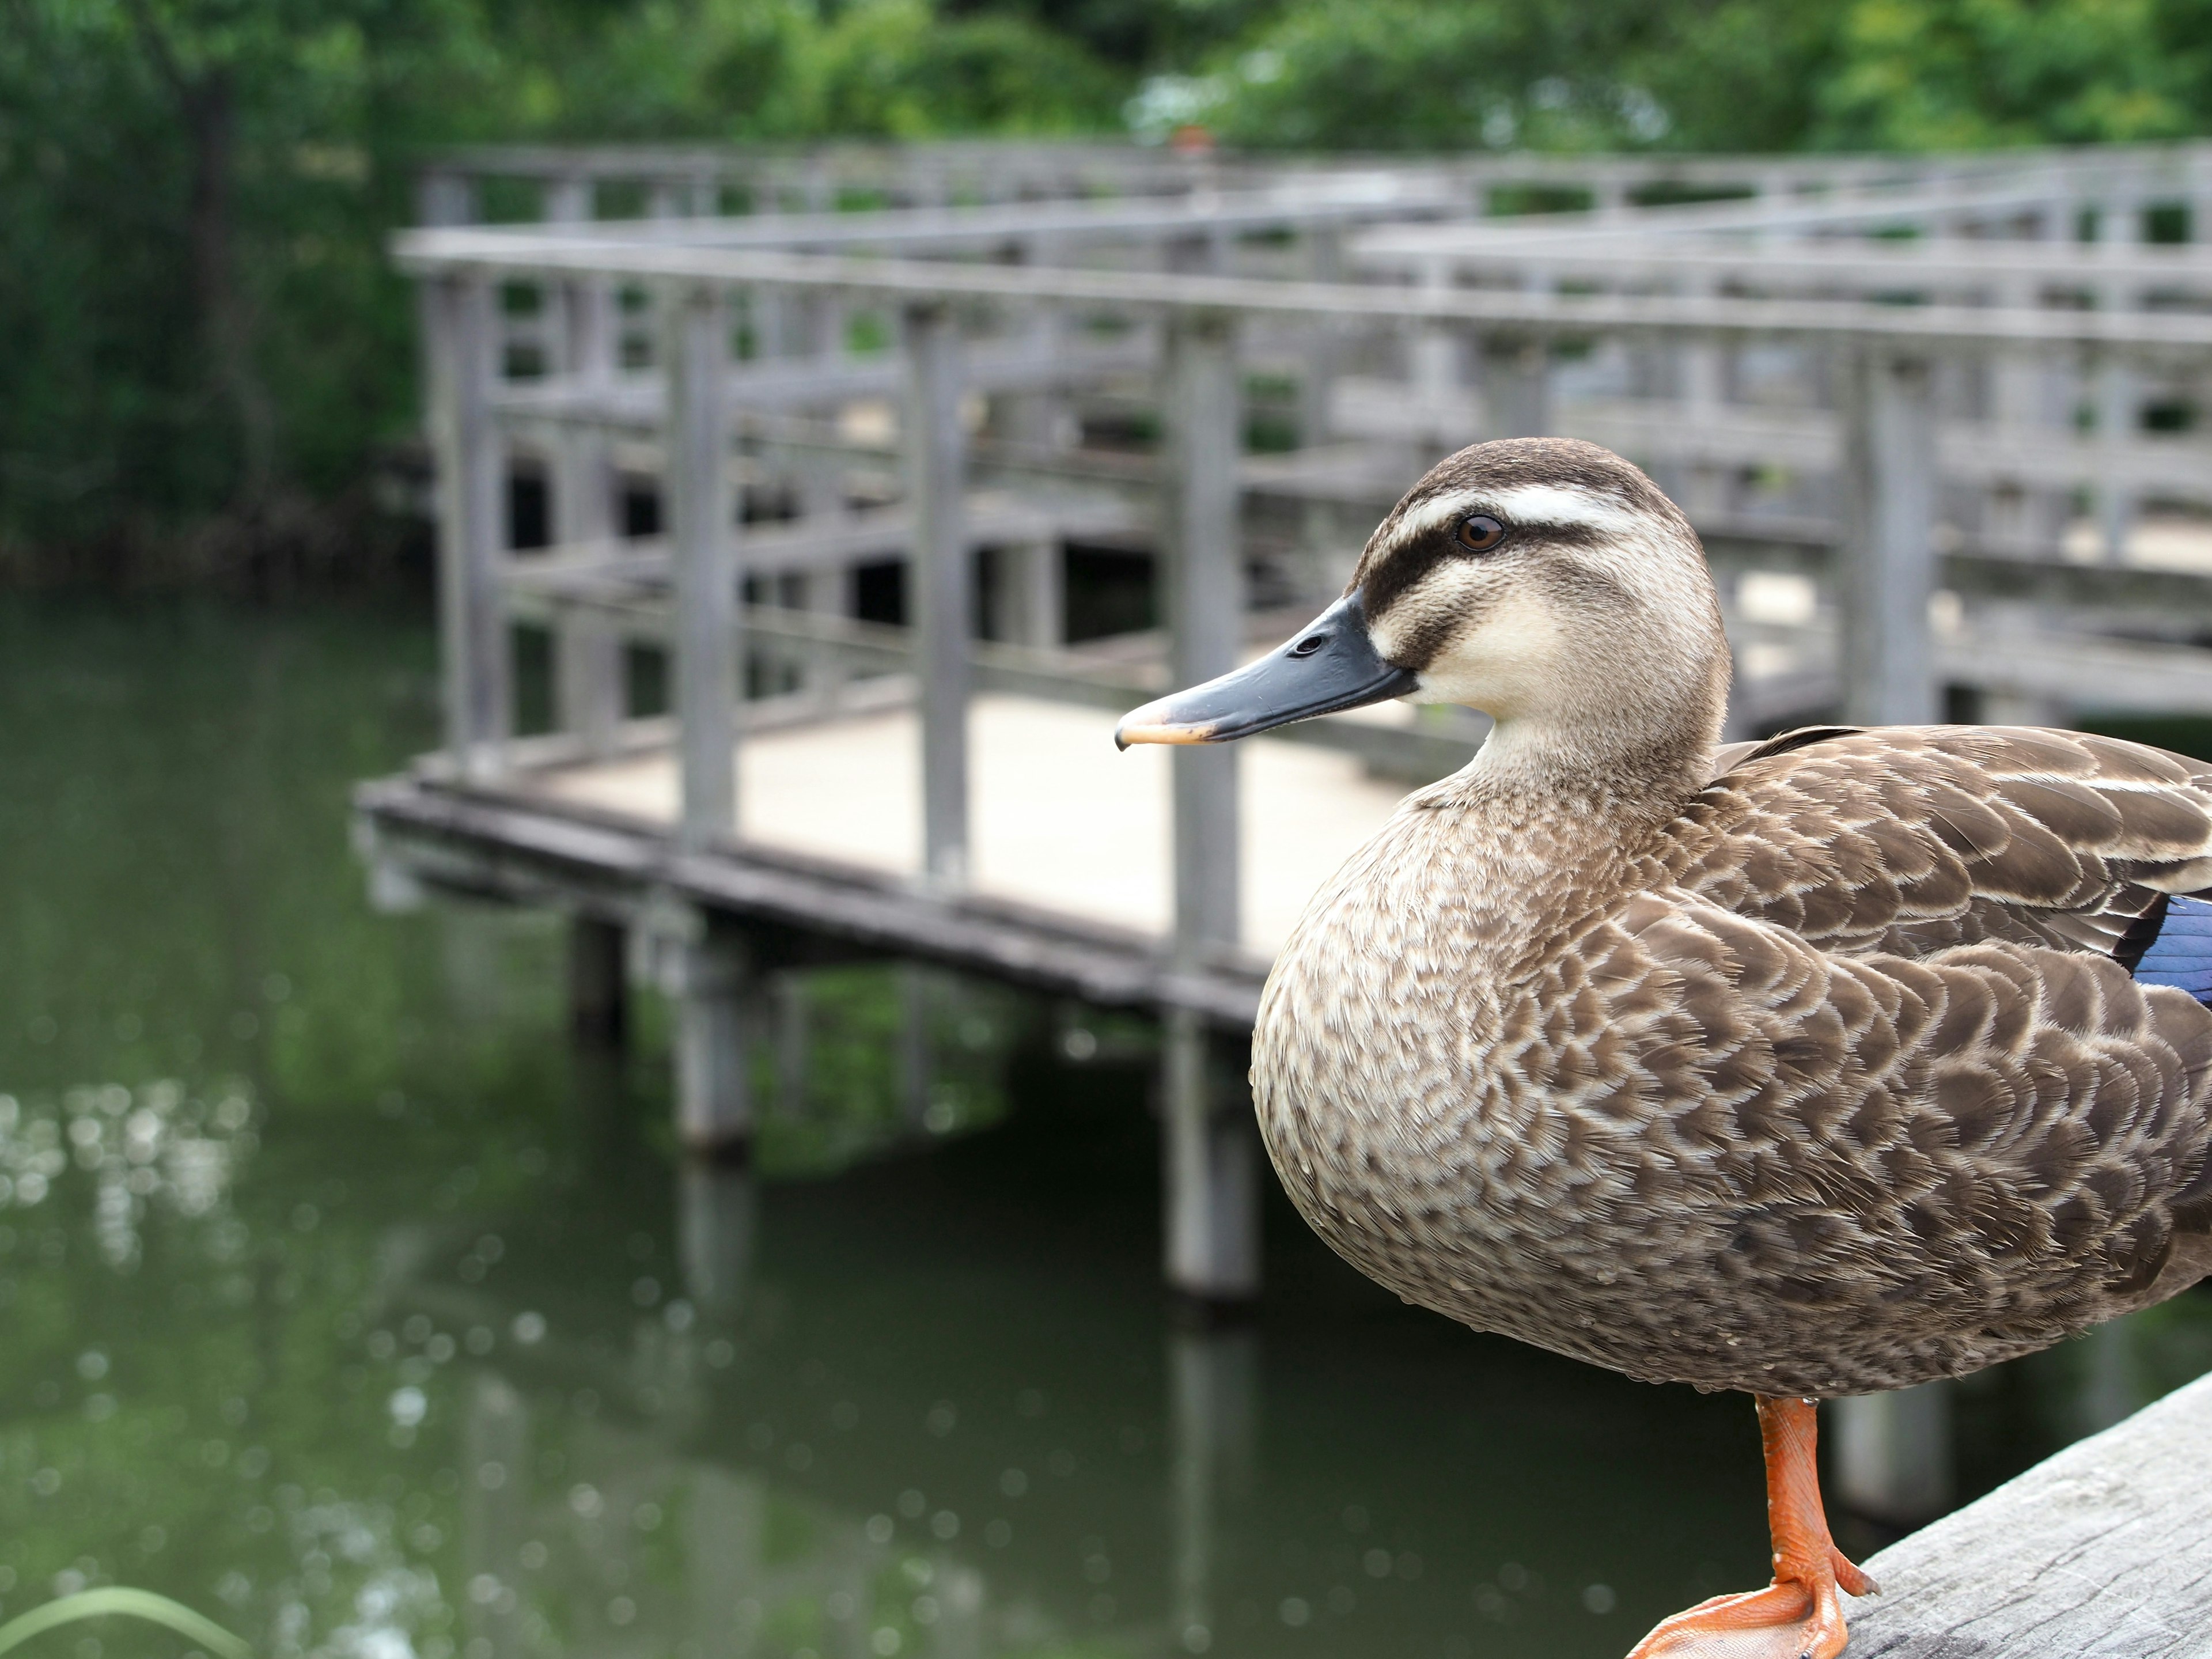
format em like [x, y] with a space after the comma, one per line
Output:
[351, 1303]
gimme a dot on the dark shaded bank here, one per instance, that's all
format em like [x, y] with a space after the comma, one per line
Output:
[295, 546]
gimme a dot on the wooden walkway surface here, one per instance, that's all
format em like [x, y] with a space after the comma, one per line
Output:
[1059, 819]
[1070, 889]
[2104, 1552]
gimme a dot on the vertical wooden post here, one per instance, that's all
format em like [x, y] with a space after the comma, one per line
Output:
[2031, 391]
[1203, 566]
[940, 601]
[443, 197]
[1702, 364]
[1886, 566]
[460, 331]
[1440, 371]
[598, 982]
[1211, 1168]
[1324, 263]
[2119, 408]
[1212, 1244]
[588, 693]
[1893, 1452]
[1028, 594]
[701, 535]
[718, 1005]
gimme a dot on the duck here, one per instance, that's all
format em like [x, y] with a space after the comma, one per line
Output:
[1820, 1065]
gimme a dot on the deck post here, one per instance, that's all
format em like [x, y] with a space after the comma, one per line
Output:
[598, 982]
[1437, 367]
[1324, 263]
[461, 331]
[1212, 1173]
[1886, 566]
[1028, 595]
[718, 998]
[2118, 411]
[1213, 1245]
[701, 509]
[940, 585]
[1205, 607]
[444, 195]
[1893, 1452]
[1701, 365]
[587, 660]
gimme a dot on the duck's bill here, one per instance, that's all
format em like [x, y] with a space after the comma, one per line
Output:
[1330, 665]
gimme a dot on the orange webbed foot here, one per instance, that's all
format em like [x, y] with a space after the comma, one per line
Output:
[1800, 1614]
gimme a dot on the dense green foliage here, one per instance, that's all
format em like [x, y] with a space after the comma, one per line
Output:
[204, 347]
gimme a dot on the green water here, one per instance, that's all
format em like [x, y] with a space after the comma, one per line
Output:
[344, 1302]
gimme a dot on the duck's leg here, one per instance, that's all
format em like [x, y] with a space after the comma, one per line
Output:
[1799, 1615]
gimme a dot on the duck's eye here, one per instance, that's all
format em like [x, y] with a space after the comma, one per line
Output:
[1308, 646]
[1480, 533]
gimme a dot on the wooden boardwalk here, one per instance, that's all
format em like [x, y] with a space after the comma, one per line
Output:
[1058, 820]
[1070, 885]
[746, 428]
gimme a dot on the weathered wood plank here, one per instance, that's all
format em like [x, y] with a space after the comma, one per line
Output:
[2104, 1552]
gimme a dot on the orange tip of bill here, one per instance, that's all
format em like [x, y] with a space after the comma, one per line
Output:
[1126, 735]
[1141, 727]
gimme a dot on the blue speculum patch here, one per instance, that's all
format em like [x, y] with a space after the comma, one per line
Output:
[2182, 953]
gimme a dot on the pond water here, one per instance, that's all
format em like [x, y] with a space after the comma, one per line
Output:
[347, 1303]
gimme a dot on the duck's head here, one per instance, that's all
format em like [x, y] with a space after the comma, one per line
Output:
[1543, 581]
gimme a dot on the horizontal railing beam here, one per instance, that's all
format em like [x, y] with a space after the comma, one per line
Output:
[504, 254]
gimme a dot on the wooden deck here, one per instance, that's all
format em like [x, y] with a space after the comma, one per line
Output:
[1060, 821]
[1070, 889]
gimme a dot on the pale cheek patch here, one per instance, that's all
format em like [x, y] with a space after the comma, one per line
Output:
[1496, 651]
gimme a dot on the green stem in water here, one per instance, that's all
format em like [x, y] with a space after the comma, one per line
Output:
[138, 1604]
